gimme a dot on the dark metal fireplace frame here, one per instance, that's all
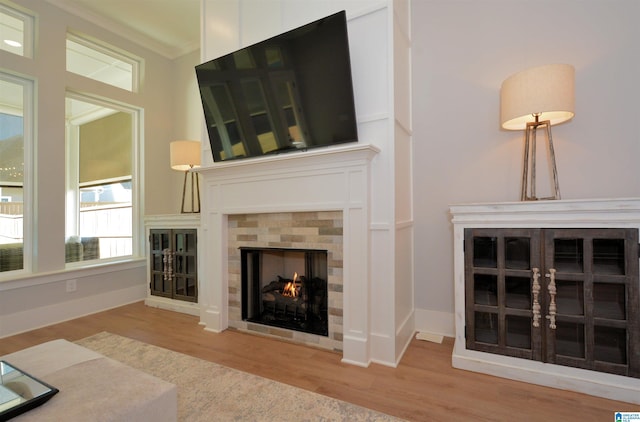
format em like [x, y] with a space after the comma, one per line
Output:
[314, 318]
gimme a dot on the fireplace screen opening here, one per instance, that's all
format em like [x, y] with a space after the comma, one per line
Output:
[285, 288]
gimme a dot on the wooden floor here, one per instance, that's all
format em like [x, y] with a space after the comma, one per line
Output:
[424, 387]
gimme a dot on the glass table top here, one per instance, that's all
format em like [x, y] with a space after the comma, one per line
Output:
[20, 392]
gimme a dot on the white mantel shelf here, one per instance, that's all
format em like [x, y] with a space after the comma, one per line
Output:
[339, 155]
[590, 213]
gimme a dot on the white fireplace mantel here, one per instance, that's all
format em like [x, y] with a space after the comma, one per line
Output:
[324, 179]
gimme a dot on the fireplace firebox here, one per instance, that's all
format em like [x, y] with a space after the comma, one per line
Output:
[285, 288]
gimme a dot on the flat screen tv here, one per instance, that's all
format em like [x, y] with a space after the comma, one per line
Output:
[287, 93]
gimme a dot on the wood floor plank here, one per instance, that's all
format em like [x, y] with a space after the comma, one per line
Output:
[424, 386]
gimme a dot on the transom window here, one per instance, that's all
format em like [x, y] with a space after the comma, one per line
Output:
[16, 31]
[101, 63]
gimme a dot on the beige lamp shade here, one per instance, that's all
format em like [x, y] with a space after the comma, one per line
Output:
[546, 91]
[184, 155]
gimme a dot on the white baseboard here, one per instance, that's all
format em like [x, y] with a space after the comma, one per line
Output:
[435, 322]
[181, 306]
[33, 318]
[600, 384]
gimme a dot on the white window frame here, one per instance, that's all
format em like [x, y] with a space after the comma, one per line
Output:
[135, 62]
[28, 29]
[28, 180]
[72, 176]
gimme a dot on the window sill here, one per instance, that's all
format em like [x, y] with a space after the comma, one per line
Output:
[19, 279]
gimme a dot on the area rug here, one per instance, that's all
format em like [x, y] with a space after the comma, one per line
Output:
[211, 392]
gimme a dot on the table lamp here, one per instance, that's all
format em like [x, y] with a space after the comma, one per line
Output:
[535, 98]
[184, 156]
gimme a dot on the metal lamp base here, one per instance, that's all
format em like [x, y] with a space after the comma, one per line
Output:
[195, 193]
[529, 164]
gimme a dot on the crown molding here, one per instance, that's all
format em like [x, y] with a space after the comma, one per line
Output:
[124, 31]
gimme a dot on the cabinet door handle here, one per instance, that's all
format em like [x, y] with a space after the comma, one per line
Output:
[552, 294]
[167, 261]
[535, 289]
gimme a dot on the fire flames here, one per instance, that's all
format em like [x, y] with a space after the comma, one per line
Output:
[291, 289]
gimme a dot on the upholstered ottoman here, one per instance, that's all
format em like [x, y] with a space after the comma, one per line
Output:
[93, 387]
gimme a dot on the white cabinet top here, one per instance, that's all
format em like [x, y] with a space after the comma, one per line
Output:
[173, 221]
[616, 212]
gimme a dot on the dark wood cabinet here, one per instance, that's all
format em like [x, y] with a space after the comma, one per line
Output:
[173, 266]
[564, 296]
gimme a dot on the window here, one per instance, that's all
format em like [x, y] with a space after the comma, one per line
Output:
[101, 145]
[102, 64]
[101, 139]
[15, 149]
[16, 31]
[98, 154]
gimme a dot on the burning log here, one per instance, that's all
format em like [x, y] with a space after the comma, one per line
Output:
[284, 295]
[291, 289]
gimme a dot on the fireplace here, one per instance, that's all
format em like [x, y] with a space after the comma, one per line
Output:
[285, 288]
[313, 200]
[265, 251]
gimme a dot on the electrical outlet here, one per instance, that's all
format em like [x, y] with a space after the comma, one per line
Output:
[71, 285]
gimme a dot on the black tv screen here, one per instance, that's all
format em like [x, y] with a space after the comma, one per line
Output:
[287, 93]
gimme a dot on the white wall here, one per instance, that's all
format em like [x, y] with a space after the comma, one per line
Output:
[32, 301]
[186, 124]
[182, 121]
[462, 51]
[400, 33]
[188, 120]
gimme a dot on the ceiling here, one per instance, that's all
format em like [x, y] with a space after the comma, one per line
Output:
[169, 27]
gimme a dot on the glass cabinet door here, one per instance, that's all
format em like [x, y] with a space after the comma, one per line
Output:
[564, 296]
[595, 321]
[173, 266]
[159, 244]
[185, 265]
[502, 267]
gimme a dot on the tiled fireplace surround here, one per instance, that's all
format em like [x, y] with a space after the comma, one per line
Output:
[316, 199]
[320, 230]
